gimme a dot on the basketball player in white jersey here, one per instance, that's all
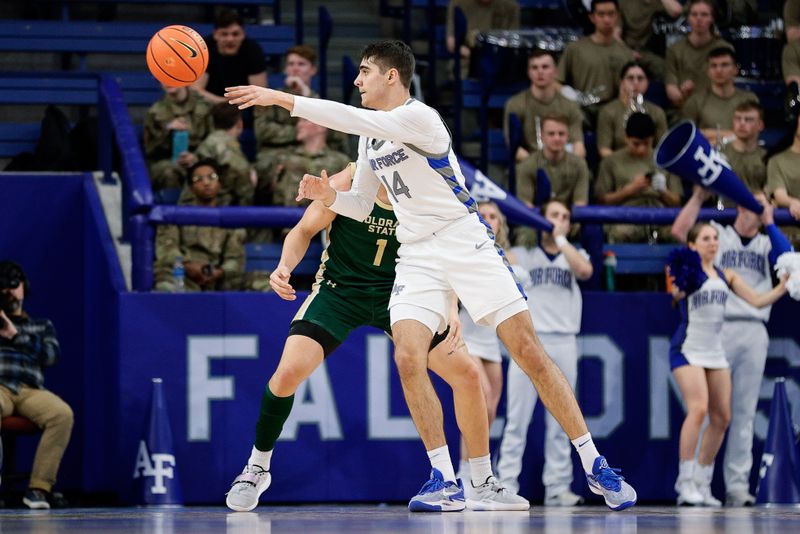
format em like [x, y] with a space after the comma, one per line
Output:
[445, 246]
[482, 342]
[699, 366]
[744, 334]
[553, 269]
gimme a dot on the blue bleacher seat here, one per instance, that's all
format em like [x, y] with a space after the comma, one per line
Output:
[635, 258]
[265, 257]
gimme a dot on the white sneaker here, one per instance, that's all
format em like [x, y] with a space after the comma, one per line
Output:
[702, 480]
[247, 488]
[491, 496]
[565, 498]
[739, 498]
[708, 497]
[688, 494]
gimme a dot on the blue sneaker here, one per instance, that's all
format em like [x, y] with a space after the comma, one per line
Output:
[436, 495]
[607, 482]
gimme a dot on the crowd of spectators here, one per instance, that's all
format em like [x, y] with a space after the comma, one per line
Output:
[597, 87]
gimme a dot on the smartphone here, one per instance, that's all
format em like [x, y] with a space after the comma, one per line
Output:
[180, 143]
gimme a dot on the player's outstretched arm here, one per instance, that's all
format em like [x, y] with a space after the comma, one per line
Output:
[295, 246]
[245, 96]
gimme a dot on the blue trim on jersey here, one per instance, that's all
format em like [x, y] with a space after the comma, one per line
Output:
[440, 165]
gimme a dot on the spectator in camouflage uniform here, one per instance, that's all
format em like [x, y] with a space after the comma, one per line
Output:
[213, 257]
[237, 177]
[629, 177]
[312, 156]
[275, 128]
[178, 110]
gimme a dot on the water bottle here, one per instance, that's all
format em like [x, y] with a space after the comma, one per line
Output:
[179, 274]
[610, 264]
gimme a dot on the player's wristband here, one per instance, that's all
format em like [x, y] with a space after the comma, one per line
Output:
[560, 241]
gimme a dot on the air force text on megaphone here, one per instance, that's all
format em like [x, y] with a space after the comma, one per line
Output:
[685, 152]
[712, 164]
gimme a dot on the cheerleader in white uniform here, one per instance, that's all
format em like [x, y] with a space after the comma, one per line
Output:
[697, 358]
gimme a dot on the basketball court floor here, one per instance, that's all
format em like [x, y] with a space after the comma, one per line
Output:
[352, 519]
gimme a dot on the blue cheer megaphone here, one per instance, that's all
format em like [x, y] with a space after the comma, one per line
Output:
[685, 152]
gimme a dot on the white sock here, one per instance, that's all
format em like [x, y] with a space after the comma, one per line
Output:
[480, 470]
[686, 470]
[440, 459]
[703, 474]
[463, 469]
[586, 450]
[260, 458]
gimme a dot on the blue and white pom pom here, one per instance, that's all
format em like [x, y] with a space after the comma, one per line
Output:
[789, 263]
[686, 269]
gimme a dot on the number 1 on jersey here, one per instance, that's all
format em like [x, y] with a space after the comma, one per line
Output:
[379, 253]
[398, 186]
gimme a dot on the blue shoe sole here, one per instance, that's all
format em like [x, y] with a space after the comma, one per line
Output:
[623, 506]
[419, 506]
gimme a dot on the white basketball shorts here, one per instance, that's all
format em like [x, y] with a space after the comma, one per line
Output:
[462, 258]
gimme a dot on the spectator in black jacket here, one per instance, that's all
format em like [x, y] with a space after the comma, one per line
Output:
[28, 345]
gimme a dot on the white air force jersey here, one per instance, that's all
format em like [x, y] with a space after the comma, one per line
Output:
[704, 312]
[554, 297]
[408, 150]
[751, 262]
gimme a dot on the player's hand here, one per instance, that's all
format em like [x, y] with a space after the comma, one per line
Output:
[245, 96]
[279, 281]
[9, 330]
[794, 209]
[453, 339]
[522, 154]
[316, 188]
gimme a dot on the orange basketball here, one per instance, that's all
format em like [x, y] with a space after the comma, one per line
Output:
[177, 56]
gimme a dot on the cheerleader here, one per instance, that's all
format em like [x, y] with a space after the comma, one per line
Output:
[697, 358]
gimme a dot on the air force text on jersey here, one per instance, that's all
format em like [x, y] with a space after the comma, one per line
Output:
[381, 162]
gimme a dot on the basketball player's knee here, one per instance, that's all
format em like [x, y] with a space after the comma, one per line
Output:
[286, 380]
[409, 362]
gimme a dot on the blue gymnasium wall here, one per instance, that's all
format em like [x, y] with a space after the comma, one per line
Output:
[213, 386]
[350, 437]
[53, 225]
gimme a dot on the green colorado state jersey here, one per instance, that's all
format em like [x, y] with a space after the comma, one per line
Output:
[361, 254]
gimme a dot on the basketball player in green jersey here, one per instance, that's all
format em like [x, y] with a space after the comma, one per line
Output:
[352, 289]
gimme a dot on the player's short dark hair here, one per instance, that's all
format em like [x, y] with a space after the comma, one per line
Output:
[225, 116]
[750, 105]
[392, 55]
[304, 51]
[227, 17]
[640, 126]
[631, 65]
[722, 51]
[595, 2]
[541, 52]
